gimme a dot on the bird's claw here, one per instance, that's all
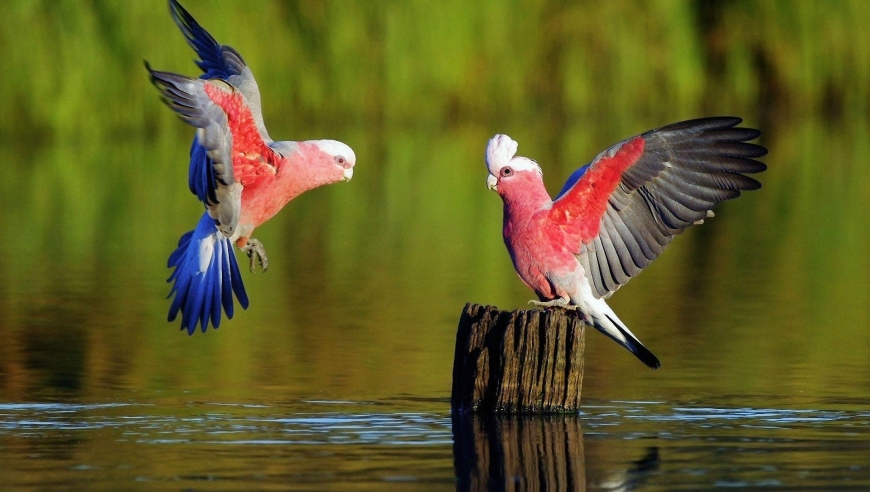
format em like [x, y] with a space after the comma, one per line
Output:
[257, 253]
[555, 303]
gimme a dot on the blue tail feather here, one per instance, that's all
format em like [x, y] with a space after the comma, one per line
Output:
[226, 287]
[205, 277]
[182, 247]
[238, 286]
[205, 295]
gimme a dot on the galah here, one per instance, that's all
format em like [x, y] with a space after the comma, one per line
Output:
[237, 171]
[618, 213]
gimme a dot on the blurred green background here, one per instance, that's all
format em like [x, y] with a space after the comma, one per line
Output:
[367, 279]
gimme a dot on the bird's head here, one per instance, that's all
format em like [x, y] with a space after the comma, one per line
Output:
[337, 160]
[506, 170]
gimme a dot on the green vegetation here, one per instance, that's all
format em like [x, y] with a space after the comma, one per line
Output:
[72, 70]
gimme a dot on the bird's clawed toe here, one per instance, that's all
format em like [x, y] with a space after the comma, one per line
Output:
[257, 253]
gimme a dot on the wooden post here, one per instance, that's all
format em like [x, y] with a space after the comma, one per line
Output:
[517, 362]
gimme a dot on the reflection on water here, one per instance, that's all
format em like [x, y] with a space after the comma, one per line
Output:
[414, 445]
[534, 453]
[301, 446]
[633, 477]
[518, 453]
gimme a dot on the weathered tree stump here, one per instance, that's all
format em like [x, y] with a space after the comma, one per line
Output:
[518, 361]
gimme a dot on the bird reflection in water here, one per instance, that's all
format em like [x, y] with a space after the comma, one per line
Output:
[532, 453]
[631, 478]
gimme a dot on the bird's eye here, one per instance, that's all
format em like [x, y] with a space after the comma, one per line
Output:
[340, 160]
[506, 171]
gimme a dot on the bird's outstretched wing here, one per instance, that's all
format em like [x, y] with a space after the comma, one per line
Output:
[223, 63]
[625, 207]
[219, 61]
[233, 151]
[215, 60]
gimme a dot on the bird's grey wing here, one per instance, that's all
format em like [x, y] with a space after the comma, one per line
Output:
[212, 177]
[660, 183]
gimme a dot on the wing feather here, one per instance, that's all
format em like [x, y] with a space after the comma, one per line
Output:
[589, 259]
[611, 244]
[624, 246]
[647, 235]
[216, 61]
[634, 248]
[607, 280]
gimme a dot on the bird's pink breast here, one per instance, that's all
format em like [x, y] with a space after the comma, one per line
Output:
[297, 173]
[539, 250]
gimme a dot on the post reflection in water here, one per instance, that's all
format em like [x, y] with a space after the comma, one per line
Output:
[518, 453]
[533, 453]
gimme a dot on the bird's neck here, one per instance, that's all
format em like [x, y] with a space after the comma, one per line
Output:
[524, 197]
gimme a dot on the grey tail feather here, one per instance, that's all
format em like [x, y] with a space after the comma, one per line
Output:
[637, 348]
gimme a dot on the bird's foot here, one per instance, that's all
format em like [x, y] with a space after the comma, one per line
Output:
[257, 253]
[560, 302]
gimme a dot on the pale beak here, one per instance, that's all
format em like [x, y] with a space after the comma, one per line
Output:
[348, 173]
[492, 183]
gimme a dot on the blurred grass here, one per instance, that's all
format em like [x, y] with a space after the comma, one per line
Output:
[368, 277]
[72, 69]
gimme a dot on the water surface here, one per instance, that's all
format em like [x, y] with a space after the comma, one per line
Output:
[412, 444]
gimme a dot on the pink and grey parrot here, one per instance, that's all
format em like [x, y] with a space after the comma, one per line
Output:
[237, 171]
[618, 213]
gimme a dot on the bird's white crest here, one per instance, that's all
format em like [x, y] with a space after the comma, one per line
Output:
[336, 148]
[501, 152]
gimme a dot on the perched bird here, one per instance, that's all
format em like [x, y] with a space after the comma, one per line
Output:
[618, 213]
[237, 171]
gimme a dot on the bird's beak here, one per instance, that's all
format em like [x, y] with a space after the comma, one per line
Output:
[492, 183]
[348, 173]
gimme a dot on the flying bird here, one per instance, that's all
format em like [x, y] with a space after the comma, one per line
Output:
[618, 213]
[241, 176]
